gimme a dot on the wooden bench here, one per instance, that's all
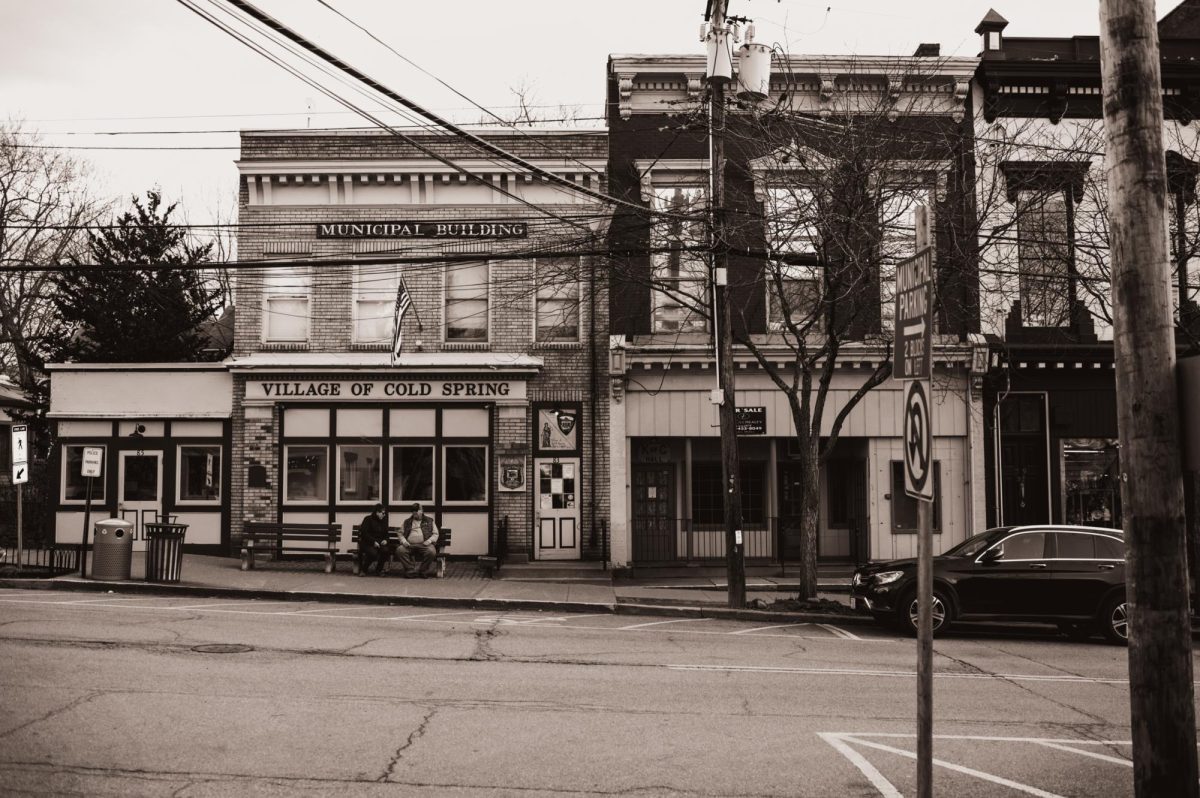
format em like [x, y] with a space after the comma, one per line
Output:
[275, 539]
[443, 542]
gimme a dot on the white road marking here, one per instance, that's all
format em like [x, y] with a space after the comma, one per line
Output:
[987, 738]
[256, 602]
[838, 631]
[107, 599]
[1014, 677]
[979, 774]
[519, 621]
[659, 623]
[885, 787]
[1092, 754]
[755, 629]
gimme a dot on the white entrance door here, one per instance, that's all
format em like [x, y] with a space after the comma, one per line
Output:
[556, 514]
[139, 491]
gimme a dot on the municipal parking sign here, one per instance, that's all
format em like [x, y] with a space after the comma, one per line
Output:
[20, 454]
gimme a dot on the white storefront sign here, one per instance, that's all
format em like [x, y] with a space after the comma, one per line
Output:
[384, 390]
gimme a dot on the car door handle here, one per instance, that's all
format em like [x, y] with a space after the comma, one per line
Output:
[1107, 566]
[1037, 565]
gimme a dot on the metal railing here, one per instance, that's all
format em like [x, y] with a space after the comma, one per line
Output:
[682, 540]
[39, 561]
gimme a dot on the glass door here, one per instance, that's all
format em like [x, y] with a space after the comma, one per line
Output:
[139, 491]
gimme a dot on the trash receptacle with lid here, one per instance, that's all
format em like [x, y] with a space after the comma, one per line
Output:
[164, 551]
[112, 550]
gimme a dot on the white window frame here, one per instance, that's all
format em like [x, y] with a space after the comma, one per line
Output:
[98, 481]
[300, 272]
[378, 470]
[487, 330]
[537, 301]
[217, 477]
[374, 287]
[487, 488]
[319, 502]
[432, 497]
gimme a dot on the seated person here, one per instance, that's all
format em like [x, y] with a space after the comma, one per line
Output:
[373, 544]
[418, 541]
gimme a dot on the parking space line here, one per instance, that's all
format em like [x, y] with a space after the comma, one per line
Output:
[659, 623]
[108, 599]
[838, 631]
[430, 615]
[255, 602]
[754, 629]
[979, 774]
[1092, 754]
[885, 787]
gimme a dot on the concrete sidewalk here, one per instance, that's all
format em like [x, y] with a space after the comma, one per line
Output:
[464, 586]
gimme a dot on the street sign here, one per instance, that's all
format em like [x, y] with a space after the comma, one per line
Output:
[912, 356]
[918, 442]
[93, 458]
[20, 454]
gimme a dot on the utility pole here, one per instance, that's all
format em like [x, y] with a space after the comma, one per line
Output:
[720, 70]
[1162, 709]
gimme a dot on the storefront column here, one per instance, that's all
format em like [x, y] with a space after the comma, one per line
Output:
[618, 486]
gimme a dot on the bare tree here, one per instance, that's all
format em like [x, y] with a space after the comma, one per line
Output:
[44, 210]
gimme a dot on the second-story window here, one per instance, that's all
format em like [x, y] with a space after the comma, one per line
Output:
[679, 244]
[897, 241]
[792, 275]
[557, 311]
[375, 289]
[467, 302]
[286, 304]
[1044, 256]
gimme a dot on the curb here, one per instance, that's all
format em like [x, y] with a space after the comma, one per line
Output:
[620, 608]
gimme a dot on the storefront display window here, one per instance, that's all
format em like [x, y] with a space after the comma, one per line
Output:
[1091, 469]
[708, 506]
[465, 474]
[74, 485]
[360, 470]
[307, 475]
[199, 473]
[412, 473]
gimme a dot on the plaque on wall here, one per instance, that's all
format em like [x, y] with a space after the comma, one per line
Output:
[557, 430]
[512, 474]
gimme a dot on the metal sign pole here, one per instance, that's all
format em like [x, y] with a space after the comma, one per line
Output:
[925, 649]
[87, 519]
[20, 531]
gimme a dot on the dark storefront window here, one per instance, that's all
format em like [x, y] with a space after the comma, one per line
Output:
[359, 473]
[74, 485]
[199, 473]
[1091, 469]
[904, 507]
[708, 505]
[466, 474]
[306, 479]
[412, 473]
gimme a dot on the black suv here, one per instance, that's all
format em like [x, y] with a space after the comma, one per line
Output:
[1073, 576]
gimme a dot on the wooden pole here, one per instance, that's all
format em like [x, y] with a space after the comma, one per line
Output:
[735, 564]
[1162, 710]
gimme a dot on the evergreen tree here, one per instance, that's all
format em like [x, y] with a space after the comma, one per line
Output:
[147, 300]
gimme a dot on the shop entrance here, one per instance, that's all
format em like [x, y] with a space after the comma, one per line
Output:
[1025, 492]
[139, 491]
[653, 530]
[557, 510]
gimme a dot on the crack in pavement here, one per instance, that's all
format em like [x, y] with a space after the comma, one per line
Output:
[83, 699]
[416, 734]
[367, 642]
[483, 645]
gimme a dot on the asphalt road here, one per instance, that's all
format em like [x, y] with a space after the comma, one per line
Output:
[118, 695]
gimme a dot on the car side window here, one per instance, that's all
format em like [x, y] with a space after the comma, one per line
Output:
[1024, 546]
[1109, 548]
[1075, 546]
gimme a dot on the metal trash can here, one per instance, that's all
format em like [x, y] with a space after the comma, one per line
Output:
[164, 551]
[112, 550]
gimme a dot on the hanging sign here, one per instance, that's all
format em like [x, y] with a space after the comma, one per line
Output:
[512, 473]
[750, 420]
[446, 228]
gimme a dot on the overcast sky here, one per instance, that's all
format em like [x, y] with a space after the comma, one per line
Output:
[74, 68]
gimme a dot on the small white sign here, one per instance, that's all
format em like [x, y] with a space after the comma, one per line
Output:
[93, 459]
[20, 444]
[20, 473]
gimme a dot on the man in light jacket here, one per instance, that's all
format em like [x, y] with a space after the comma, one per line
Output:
[418, 541]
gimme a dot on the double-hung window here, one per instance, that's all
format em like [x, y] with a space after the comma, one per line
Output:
[792, 275]
[286, 301]
[1044, 255]
[467, 302]
[375, 289]
[679, 241]
[557, 312]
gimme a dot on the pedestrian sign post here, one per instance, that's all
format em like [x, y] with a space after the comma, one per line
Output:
[89, 468]
[20, 475]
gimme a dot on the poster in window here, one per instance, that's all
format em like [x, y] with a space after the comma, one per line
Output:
[512, 474]
[558, 430]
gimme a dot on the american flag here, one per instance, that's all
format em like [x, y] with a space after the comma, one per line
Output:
[403, 303]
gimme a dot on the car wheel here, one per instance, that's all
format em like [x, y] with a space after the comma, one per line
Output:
[1114, 619]
[942, 613]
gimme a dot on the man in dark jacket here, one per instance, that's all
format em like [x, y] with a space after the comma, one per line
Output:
[373, 545]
